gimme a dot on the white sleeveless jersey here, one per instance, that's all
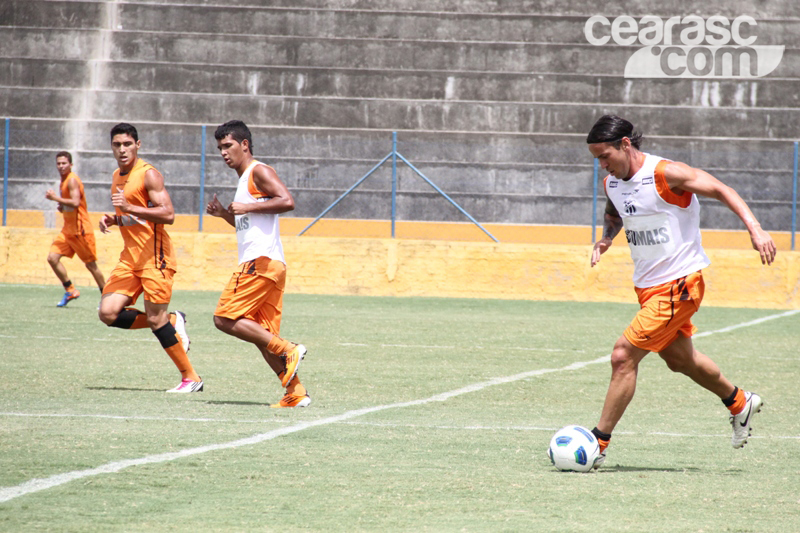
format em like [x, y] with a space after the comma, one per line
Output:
[257, 234]
[662, 228]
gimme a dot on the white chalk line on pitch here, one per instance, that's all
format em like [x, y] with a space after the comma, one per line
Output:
[36, 485]
[538, 428]
[131, 417]
[385, 425]
[347, 344]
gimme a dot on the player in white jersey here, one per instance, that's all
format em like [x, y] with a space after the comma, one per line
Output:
[250, 306]
[655, 201]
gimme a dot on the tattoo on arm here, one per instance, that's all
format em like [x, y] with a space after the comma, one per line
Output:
[612, 222]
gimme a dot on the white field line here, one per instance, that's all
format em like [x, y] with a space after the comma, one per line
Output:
[347, 344]
[386, 425]
[36, 485]
[549, 429]
[126, 417]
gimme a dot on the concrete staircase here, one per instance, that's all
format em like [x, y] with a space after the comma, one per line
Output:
[492, 101]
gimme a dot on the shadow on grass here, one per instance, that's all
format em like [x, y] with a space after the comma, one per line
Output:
[131, 389]
[231, 402]
[621, 468]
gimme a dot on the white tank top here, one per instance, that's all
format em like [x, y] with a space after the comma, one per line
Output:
[256, 234]
[662, 228]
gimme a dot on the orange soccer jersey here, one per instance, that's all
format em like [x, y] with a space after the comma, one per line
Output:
[147, 244]
[76, 219]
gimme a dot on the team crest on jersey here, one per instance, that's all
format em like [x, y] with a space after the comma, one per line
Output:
[628, 207]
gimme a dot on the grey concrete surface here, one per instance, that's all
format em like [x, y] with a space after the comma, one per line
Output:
[491, 99]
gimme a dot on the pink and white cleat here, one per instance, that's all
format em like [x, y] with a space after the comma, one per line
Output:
[187, 385]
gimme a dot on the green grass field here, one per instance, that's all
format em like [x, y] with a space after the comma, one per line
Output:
[427, 415]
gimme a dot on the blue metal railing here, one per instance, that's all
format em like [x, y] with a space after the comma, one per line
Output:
[794, 193]
[394, 155]
[594, 199]
[202, 201]
[5, 169]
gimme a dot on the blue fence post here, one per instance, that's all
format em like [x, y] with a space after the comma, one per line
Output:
[202, 178]
[444, 195]
[345, 193]
[5, 171]
[794, 193]
[394, 180]
[594, 200]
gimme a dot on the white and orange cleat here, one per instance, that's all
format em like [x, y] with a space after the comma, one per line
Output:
[291, 400]
[293, 359]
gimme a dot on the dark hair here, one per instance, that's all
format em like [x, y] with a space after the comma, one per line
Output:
[236, 129]
[611, 129]
[123, 128]
[65, 154]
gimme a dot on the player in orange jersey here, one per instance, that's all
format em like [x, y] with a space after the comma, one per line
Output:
[250, 306]
[77, 235]
[655, 201]
[147, 263]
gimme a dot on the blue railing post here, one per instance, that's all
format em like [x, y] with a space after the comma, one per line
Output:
[5, 171]
[345, 193]
[794, 192]
[395, 155]
[202, 178]
[594, 199]
[444, 195]
[394, 180]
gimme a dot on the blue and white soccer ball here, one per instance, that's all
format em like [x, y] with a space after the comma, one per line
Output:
[574, 448]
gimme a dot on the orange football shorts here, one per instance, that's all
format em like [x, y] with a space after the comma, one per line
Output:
[155, 283]
[666, 312]
[69, 245]
[255, 292]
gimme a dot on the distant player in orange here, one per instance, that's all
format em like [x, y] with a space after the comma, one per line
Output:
[77, 235]
[250, 306]
[147, 262]
[655, 201]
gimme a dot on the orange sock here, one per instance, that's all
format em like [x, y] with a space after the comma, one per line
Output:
[130, 318]
[279, 346]
[295, 387]
[181, 360]
[603, 444]
[140, 321]
[739, 402]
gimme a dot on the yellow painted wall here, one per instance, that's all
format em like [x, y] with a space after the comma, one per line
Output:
[412, 267]
[380, 229]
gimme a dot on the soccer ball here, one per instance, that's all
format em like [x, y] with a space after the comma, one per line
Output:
[573, 448]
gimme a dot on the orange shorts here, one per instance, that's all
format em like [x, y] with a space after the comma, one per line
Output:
[155, 283]
[69, 245]
[666, 312]
[256, 293]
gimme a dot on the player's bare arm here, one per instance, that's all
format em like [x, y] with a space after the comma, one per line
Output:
[74, 199]
[215, 208]
[682, 177]
[267, 181]
[612, 225]
[160, 210]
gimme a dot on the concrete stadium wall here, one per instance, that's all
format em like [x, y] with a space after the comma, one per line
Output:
[404, 267]
[491, 98]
